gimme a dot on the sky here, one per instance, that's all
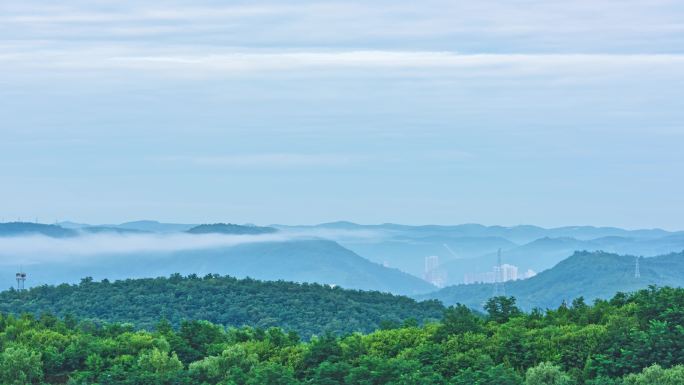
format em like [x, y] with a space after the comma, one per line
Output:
[295, 111]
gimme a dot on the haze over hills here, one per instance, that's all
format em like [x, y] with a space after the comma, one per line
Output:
[461, 249]
[544, 253]
[113, 253]
[584, 274]
[472, 248]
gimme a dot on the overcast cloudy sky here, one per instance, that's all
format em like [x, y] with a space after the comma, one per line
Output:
[294, 111]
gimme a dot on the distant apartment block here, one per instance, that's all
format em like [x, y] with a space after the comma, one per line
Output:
[433, 273]
[506, 273]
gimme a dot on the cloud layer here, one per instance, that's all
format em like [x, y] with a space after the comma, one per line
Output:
[301, 111]
[29, 250]
[485, 26]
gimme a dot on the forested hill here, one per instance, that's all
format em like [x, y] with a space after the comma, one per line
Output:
[632, 339]
[584, 274]
[305, 308]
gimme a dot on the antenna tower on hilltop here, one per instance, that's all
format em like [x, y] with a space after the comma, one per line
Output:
[21, 279]
[637, 271]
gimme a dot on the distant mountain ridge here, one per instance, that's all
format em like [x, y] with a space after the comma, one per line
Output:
[230, 228]
[543, 253]
[300, 260]
[517, 234]
[461, 249]
[13, 229]
[587, 274]
[472, 248]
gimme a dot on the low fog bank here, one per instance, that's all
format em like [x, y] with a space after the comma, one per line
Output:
[37, 249]
[310, 255]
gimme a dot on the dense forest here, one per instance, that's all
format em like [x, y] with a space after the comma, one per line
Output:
[304, 308]
[632, 339]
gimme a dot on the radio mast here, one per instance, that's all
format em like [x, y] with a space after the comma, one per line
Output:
[21, 279]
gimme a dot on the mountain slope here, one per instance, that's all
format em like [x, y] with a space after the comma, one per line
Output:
[307, 309]
[13, 229]
[588, 274]
[474, 246]
[546, 252]
[408, 253]
[307, 260]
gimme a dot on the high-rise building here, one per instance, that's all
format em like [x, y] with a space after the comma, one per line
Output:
[431, 263]
[433, 273]
[502, 273]
[509, 273]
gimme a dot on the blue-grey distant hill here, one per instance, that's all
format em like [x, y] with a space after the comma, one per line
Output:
[472, 248]
[544, 253]
[155, 227]
[230, 228]
[462, 249]
[518, 234]
[585, 274]
[148, 226]
[306, 260]
[13, 229]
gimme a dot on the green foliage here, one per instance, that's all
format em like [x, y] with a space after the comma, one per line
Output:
[656, 375]
[458, 319]
[501, 309]
[308, 309]
[547, 374]
[612, 342]
[493, 375]
[20, 366]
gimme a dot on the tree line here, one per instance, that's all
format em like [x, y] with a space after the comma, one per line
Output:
[304, 308]
[631, 339]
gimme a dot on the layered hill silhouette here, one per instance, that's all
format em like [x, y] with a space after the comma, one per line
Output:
[543, 253]
[585, 274]
[472, 248]
[300, 260]
[462, 249]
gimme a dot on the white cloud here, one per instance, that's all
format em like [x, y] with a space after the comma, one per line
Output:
[36, 249]
[553, 26]
[206, 62]
[446, 16]
[40, 249]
